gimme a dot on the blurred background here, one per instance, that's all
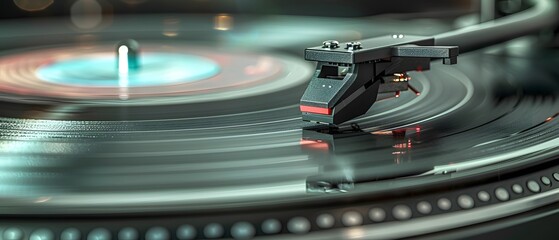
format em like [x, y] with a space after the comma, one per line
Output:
[331, 8]
[89, 16]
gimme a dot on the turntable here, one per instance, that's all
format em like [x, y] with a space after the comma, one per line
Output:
[142, 119]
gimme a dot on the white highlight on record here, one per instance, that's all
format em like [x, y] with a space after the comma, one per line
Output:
[123, 72]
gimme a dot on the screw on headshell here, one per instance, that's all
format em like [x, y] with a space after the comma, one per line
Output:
[353, 45]
[330, 44]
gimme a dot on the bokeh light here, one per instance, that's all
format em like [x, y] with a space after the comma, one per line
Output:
[133, 2]
[223, 22]
[33, 5]
[171, 27]
[86, 14]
